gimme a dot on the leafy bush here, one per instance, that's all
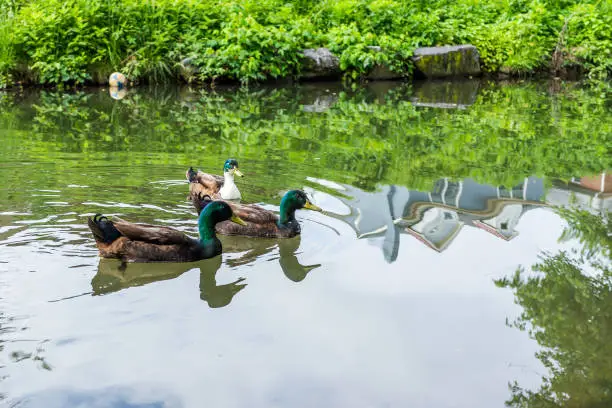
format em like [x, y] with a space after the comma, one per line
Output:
[361, 53]
[247, 51]
[516, 43]
[589, 37]
[61, 38]
[7, 51]
[252, 40]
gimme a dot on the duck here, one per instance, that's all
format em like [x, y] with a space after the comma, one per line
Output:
[133, 242]
[217, 187]
[261, 222]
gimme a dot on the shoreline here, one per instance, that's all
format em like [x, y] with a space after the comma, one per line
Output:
[494, 77]
[454, 62]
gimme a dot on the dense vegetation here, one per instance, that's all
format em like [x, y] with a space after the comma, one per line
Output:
[75, 41]
[567, 309]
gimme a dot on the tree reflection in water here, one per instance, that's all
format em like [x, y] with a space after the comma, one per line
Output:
[567, 309]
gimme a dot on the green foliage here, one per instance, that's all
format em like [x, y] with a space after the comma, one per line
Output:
[7, 51]
[359, 54]
[567, 308]
[249, 40]
[590, 38]
[62, 38]
[244, 49]
[594, 232]
[151, 37]
[521, 39]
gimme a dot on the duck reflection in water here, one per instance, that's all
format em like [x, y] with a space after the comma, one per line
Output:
[217, 295]
[114, 275]
[256, 248]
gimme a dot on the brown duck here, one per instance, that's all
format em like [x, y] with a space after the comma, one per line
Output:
[217, 187]
[151, 243]
[261, 222]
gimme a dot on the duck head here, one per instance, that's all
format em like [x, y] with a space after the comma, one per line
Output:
[231, 166]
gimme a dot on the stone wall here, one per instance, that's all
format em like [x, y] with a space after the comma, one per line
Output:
[429, 62]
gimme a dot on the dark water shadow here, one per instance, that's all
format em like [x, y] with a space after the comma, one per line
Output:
[446, 94]
[255, 248]
[217, 295]
[114, 275]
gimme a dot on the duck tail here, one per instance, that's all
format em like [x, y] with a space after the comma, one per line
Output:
[103, 229]
[191, 175]
[201, 202]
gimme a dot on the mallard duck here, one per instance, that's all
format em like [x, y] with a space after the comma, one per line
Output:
[151, 243]
[261, 222]
[217, 187]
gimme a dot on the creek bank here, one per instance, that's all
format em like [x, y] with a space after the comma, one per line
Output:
[443, 62]
[429, 63]
[320, 64]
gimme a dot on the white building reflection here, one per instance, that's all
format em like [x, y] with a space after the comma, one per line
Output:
[436, 217]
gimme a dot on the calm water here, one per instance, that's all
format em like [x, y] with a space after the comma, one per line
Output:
[401, 294]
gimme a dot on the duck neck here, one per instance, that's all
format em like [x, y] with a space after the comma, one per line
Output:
[229, 180]
[206, 228]
[287, 214]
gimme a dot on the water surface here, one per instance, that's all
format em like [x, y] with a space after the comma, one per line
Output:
[400, 294]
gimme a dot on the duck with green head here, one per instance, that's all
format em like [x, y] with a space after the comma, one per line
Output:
[217, 187]
[132, 242]
[261, 222]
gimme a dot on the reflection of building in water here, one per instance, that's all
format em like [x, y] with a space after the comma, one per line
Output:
[437, 228]
[436, 217]
[593, 193]
[503, 224]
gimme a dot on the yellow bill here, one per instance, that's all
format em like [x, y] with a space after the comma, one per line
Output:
[238, 220]
[311, 206]
[238, 172]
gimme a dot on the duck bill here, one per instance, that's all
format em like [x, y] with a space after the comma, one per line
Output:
[238, 220]
[311, 206]
[238, 173]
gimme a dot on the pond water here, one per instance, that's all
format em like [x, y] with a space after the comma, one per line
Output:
[400, 294]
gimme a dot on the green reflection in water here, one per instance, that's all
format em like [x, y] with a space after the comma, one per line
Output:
[360, 138]
[567, 309]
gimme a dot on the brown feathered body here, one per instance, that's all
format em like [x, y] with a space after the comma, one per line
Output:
[260, 222]
[133, 242]
[205, 184]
